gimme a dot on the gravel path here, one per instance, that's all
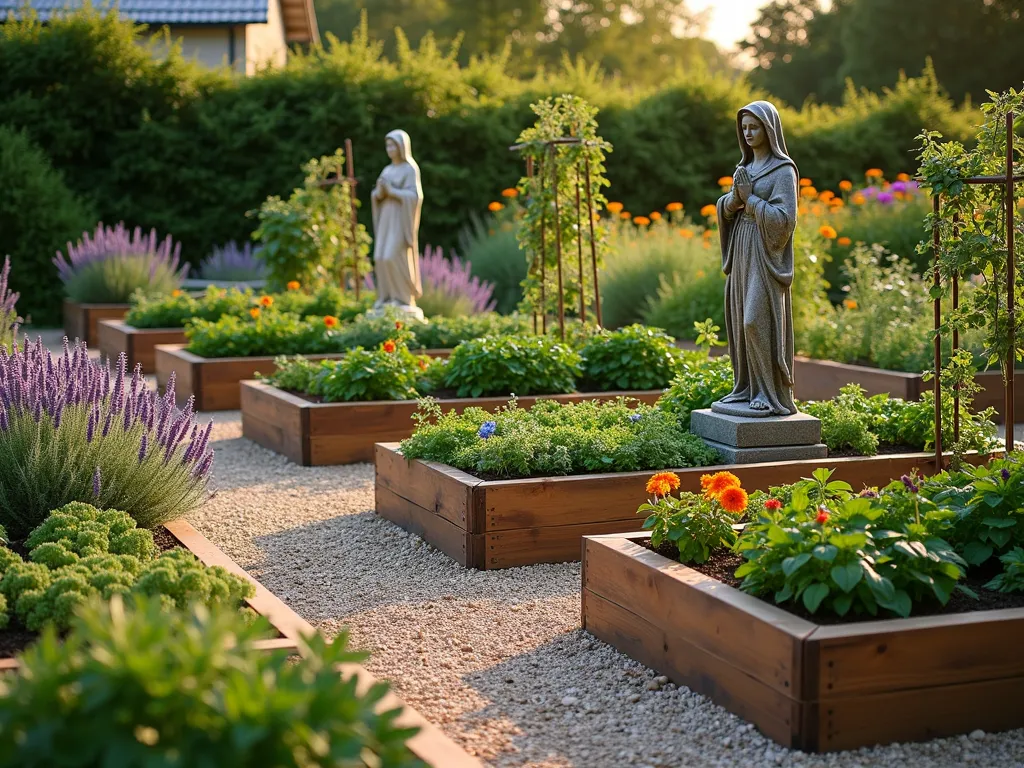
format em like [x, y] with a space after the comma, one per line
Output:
[496, 659]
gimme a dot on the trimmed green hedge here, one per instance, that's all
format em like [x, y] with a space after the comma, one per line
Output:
[163, 144]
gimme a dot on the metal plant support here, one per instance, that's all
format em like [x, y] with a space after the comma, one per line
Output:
[1007, 180]
[549, 167]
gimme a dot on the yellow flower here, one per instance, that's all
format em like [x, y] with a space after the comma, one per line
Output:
[826, 195]
[494, 207]
[850, 304]
[655, 216]
[266, 301]
[687, 233]
[873, 173]
[829, 233]
[625, 215]
[902, 177]
[175, 293]
[673, 207]
[846, 185]
[510, 192]
[733, 500]
[615, 207]
[858, 199]
[806, 183]
[293, 285]
[255, 312]
[808, 192]
[642, 221]
[844, 241]
[708, 210]
[725, 181]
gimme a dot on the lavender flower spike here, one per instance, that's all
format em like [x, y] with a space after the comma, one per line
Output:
[452, 278]
[116, 243]
[96, 483]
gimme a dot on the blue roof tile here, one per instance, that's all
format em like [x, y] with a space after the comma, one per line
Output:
[161, 11]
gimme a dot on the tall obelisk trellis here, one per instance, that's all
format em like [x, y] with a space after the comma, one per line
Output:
[1007, 180]
[349, 179]
[548, 173]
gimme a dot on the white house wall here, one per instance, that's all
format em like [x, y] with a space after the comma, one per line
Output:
[210, 46]
[265, 43]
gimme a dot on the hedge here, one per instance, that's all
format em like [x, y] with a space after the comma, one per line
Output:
[163, 144]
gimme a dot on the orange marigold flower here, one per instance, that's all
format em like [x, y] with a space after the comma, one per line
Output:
[255, 312]
[850, 304]
[669, 477]
[510, 192]
[655, 216]
[844, 241]
[817, 210]
[806, 183]
[773, 505]
[176, 293]
[266, 301]
[808, 192]
[423, 364]
[705, 481]
[388, 346]
[725, 181]
[293, 285]
[687, 233]
[662, 483]
[673, 207]
[829, 233]
[700, 274]
[733, 500]
[836, 202]
[826, 195]
[846, 185]
[719, 482]
[642, 221]
[858, 199]
[708, 210]
[615, 207]
[494, 207]
[902, 177]
[874, 173]
[330, 321]
[398, 325]
[625, 215]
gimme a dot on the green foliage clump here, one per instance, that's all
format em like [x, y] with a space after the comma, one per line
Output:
[175, 309]
[82, 530]
[516, 365]
[679, 301]
[38, 215]
[1012, 577]
[178, 578]
[154, 670]
[449, 332]
[390, 372]
[269, 333]
[701, 381]
[492, 252]
[554, 439]
[635, 357]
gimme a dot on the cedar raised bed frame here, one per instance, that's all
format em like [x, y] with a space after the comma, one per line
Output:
[138, 344]
[822, 380]
[320, 434]
[430, 744]
[80, 320]
[807, 686]
[215, 380]
[490, 524]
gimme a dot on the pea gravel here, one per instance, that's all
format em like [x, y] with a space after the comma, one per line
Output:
[496, 659]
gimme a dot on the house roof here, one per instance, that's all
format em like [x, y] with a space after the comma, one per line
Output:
[298, 15]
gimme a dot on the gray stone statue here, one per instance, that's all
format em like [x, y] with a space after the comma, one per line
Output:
[756, 221]
[396, 202]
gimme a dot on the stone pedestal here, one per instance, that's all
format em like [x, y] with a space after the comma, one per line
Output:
[754, 439]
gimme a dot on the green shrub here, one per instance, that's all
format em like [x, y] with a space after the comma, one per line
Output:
[390, 372]
[519, 365]
[155, 671]
[1012, 577]
[491, 249]
[554, 439]
[38, 215]
[268, 333]
[701, 381]
[635, 357]
[682, 301]
[175, 309]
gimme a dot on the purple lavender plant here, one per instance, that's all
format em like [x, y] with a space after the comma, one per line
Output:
[113, 263]
[150, 459]
[233, 263]
[449, 290]
[8, 314]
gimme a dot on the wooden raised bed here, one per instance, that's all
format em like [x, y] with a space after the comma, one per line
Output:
[822, 380]
[318, 434]
[491, 524]
[809, 687]
[215, 380]
[430, 744]
[138, 344]
[80, 320]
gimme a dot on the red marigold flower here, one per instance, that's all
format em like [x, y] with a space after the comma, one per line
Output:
[330, 321]
[389, 346]
[822, 517]
[773, 504]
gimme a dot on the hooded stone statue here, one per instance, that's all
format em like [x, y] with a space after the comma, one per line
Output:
[396, 202]
[756, 221]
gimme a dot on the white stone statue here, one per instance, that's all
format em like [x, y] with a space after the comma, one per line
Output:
[396, 202]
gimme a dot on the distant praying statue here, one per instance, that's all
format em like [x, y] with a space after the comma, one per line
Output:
[396, 202]
[757, 219]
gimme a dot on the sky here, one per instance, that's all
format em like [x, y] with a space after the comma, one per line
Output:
[730, 19]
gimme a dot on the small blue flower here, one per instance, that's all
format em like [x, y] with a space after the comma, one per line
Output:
[487, 429]
[635, 417]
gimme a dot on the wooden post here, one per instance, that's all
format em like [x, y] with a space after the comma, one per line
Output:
[937, 317]
[558, 247]
[593, 246]
[350, 165]
[579, 250]
[1010, 280]
[543, 255]
[956, 337]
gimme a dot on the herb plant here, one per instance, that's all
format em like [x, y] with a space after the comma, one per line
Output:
[8, 314]
[519, 365]
[631, 358]
[390, 372]
[175, 309]
[1012, 577]
[71, 431]
[701, 381]
[156, 671]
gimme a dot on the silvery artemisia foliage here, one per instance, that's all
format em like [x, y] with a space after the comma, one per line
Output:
[72, 430]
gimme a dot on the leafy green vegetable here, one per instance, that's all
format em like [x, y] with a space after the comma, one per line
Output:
[631, 358]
